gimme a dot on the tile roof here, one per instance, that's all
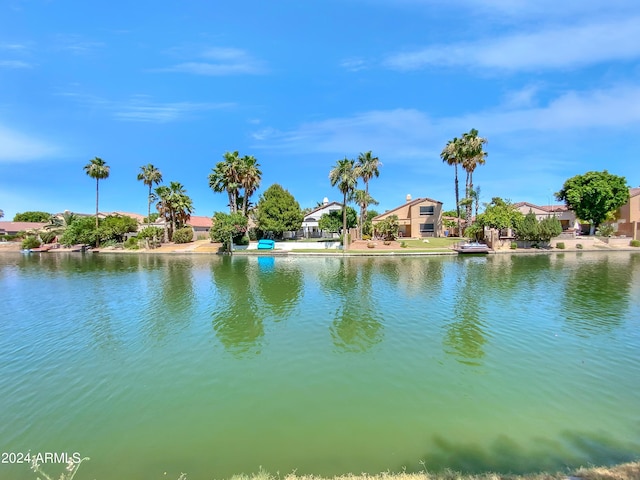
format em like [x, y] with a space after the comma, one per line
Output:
[203, 222]
[411, 203]
[20, 226]
[634, 191]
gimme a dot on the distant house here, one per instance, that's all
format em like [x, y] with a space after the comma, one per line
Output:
[417, 218]
[11, 228]
[567, 217]
[200, 225]
[628, 215]
[310, 228]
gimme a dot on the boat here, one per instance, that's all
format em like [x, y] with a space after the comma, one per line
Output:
[471, 247]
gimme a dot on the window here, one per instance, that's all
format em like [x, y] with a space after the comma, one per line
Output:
[427, 228]
[428, 210]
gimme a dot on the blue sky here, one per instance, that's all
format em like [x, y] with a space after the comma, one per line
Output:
[553, 85]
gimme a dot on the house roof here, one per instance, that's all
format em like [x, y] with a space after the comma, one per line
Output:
[634, 191]
[20, 226]
[321, 207]
[546, 208]
[203, 222]
[136, 216]
[411, 203]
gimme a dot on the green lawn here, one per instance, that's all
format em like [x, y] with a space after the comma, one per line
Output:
[440, 242]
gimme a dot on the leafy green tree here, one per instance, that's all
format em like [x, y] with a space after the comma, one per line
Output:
[548, 228]
[332, 221]
[367, 226]
[227, 226]
[278, 211]
[98, 169]
[594, 195]
[32, 217]
[115, 227]
[528, 229]
[388, 228]
[367, 167]
[450, 213]
[150, 175]
[500, 214]
[81, 230]
[345, 176]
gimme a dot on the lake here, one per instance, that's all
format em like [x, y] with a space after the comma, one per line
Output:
[213, 366]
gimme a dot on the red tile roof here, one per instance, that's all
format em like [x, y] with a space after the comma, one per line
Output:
[202, 222]
[14, 227]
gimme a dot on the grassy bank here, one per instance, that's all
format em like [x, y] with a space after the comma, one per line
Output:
[625, 471]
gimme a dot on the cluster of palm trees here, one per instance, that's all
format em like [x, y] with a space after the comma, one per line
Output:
[238, 176]
[345, 175]
[467, 152]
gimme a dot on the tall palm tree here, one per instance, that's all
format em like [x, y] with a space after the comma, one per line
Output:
[98, 169]
[1, 214]
[345, 175]
[163, 206]
[368, 167]
[225, 177]
[472, 156]
[250, 176]
[175, 207]
[363, 199]
[150, 175]
[451, 154]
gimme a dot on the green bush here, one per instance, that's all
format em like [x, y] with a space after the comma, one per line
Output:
[514, 245]
[605, 230]
[579, 246]
[47, 236]
[30, 242]
[366, 237]
[403, 244]
[183, 235]
[151, 233]
[560, 245]
[242, 241]
[253, 234]
[132, 243]
[634, 243]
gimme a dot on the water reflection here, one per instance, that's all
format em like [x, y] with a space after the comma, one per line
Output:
[237, 320]
[280, 285]
[465, 335]
[597, 293]
[357, 323]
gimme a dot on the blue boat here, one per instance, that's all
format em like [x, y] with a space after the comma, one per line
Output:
[266, 244]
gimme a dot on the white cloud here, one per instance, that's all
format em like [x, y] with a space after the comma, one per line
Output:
[354, 64]
[19, 147]
[553, 48]
[77, 44]
[14, 64]
[220, 62]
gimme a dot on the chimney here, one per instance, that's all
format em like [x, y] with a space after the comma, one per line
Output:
[325, 201]
[408, 197]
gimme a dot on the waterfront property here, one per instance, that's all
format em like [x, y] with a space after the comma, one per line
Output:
[218, 365]
[417, 218]
[310, 228]
[628, 216]
[567, 217]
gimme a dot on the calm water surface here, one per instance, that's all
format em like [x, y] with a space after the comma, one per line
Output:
[214, 366]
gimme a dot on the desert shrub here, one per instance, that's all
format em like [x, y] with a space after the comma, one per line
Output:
[30, 242]
[371, 245]
[203, 236]
[151, 233]
[47, 236]
[242, 241]
[514, 245]
[132, 243]
[183, 235]
[253, 234]
[605, 230]
[403, 244]
[387, 242]
[579, 246]
[560, 245]
[366, 237]
[634, 243]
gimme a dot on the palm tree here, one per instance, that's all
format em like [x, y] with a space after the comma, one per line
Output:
[163, 206]
[363, 199]
[472, 156]
[175, 206]
[150, 175]
[225, 177]
[1, 214]
[368, 167]
[250, 176]
[98, 169]
[451, 154]
[345, 175]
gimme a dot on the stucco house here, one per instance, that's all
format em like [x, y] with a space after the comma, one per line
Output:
[628, 215]
[200, 225]
[561, 212]
[417, 218]
[11, 228]
[310, 228]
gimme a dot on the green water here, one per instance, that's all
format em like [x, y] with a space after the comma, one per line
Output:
[214, 366]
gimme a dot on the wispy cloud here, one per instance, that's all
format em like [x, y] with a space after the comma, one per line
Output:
[142, 108]
[354, 64]
[16, 146]
[14, 64]
[77, 44]
[217, 61]
[553, 48]
[410, 133]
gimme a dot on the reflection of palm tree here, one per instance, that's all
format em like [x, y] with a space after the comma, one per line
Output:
[237, 320]
[280, 288]
[356, 326]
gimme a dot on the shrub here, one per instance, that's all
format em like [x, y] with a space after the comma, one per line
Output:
[605, 230]
[183, 235]
[242, 241]
[579, 246]
[560, 245]
[151, 233]
[131, 244]
[403, 244]
[514, 245]
[253, 234]
[30, 242]
[371, 245]
[387, 242]
[634, 243]
[366, 237]
[47, 236]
